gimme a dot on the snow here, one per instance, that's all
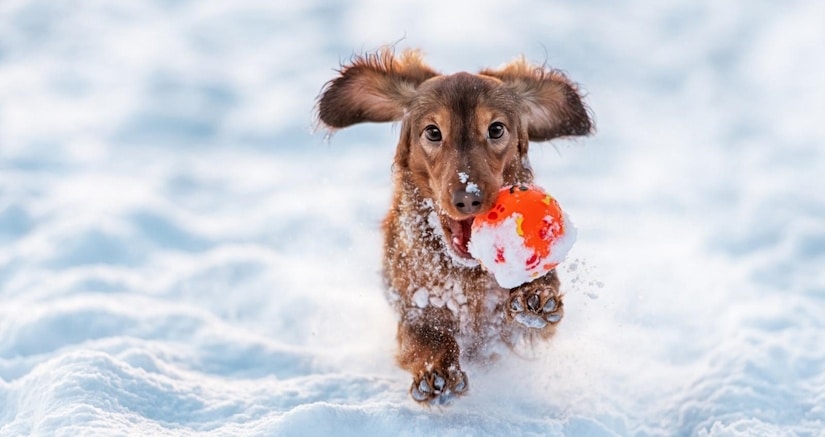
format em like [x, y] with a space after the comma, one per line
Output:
[470, 187]
[181, 255]
[421, 298]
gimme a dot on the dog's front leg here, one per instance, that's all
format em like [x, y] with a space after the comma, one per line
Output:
[428, 350]
[537, 304]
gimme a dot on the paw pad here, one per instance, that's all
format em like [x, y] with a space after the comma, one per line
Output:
[535, 310]
[433, 388]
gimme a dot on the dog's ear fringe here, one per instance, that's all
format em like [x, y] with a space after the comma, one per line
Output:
[409, 64]
[370, 87]
[555, 103]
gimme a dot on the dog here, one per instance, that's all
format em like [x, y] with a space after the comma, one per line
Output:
[463, 137]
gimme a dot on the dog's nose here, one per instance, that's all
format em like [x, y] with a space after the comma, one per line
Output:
[467, 202]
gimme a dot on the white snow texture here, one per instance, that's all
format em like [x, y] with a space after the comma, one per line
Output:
[181, 255]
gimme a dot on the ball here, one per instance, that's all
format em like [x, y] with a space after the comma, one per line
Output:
[525, 235]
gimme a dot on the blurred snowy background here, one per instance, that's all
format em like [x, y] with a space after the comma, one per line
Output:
[181, 255]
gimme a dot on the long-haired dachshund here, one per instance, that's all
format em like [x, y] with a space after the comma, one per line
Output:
[463, 136]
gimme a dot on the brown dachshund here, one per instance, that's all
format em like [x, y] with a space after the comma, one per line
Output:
[463, 136]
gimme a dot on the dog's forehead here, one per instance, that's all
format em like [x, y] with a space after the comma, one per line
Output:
[458, 85]
[462, 91]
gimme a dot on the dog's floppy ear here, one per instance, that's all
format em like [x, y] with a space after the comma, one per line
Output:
[374, 87]
[552, 103]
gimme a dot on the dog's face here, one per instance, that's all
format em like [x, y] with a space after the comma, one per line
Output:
[463, 131]
[463, 138]
[463, 135]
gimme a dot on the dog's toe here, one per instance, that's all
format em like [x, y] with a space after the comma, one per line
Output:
[552, 310]
[461, 384]
[533, 302]
[421, 391]
[517, 303]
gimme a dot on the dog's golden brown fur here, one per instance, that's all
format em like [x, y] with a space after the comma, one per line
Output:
[463, 136]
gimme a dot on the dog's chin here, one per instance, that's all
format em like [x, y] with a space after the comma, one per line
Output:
[457, 238]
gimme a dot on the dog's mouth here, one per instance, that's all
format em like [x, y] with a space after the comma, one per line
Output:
[459, 235]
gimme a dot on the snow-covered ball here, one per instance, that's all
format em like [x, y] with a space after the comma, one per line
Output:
[524, 235]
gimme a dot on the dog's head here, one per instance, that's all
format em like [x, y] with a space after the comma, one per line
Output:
[463, 136]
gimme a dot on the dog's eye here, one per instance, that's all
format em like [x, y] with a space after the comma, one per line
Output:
[496, 130]
[432, 133]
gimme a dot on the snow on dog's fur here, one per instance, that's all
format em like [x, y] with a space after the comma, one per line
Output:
[463, 136]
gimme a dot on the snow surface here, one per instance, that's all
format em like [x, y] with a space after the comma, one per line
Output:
[181, 255]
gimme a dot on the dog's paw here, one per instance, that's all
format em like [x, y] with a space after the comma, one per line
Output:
[535, 307]
[439, 388]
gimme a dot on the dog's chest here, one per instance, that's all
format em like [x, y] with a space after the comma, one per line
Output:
[435, 279]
